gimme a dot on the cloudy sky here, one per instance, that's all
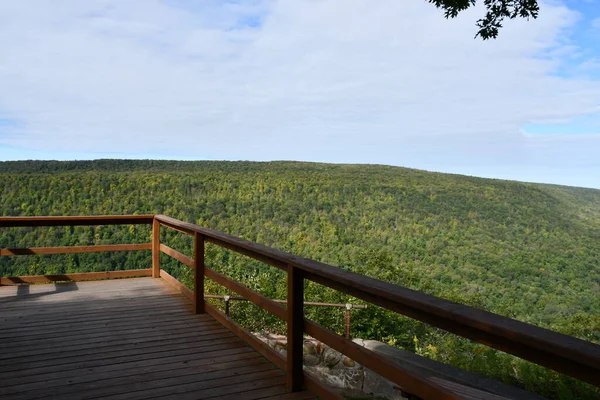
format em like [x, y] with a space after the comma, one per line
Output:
[345, 81]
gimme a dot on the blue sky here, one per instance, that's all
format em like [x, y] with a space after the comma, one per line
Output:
[350, 81]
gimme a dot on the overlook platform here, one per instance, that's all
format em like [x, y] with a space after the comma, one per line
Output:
[155, 338]
[124, 339]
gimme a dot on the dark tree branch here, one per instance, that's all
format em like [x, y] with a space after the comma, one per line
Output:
[497, 11]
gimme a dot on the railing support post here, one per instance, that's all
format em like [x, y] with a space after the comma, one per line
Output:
[347, 320]
[155, 248]
[295, 329]
[198, 273]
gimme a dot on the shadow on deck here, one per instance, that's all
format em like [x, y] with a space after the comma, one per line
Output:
[124, 339]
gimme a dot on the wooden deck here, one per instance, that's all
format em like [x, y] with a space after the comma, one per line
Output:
[123, 339]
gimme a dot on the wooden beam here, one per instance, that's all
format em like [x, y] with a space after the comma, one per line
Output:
[312, 384]
[177, 285]
[256, 298]
[177, 255]
[295, 329]
[74, 249]
[86, 276]
[574, 357]
[247, 337]
[155, 249]
[384, 366]
[76, 220]
[198, 265]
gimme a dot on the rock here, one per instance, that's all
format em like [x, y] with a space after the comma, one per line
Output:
[348, 362]
[311, 359]
[331, 357]
[309, 348]
[351, 380]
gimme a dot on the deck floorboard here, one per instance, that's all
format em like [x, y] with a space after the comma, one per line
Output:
[123, 339]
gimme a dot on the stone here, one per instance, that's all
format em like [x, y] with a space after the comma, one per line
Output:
[309, 347]
[311, 359]
[348, 362]
[331, 357]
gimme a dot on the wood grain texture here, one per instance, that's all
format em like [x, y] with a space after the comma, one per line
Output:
[177, 255]
[74, 249]
[571, 356]
[256, 298]
[314, 385]
[177, 285]
[86, 276]
[123, 349]
[155, 249]
[198, 266]
[295, 329]
[76, 220]
[386, 367]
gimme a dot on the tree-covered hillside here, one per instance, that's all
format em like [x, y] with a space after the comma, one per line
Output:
[528, 251]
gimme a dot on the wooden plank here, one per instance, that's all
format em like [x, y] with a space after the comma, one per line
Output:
[83, 343]
[295, 329]
[81, 347]
[46, 303]
[98, 286]
[198, 265]
[76, 364]
[238, 388]
[177, 285]
[263, 302]
[128, 384]
[177, 228]
[568, 355]
[384, 366]
[177, 255]
[116, 355]
[565, 354]
[73, 329]
[49, 379]
[74, 249]
[291, 396]
[250, 249]
[155, 249]
[276, 391]
[57, 315]
[202, 389]
[96, 333]
[94, 380]
[312, 384]
[76, 220]
[77, 276]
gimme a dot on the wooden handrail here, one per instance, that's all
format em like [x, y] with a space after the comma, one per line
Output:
[74, 249]
[76, 220]
[571, 356]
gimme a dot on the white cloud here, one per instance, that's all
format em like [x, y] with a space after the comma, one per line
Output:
[383, 81]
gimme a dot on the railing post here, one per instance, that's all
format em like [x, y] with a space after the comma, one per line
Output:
[295, 328]
[155, 248]
[348, 308]
[226, 298]
[198, 273]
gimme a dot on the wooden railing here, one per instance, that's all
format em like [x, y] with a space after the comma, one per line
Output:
[574, 357]
[75, 221]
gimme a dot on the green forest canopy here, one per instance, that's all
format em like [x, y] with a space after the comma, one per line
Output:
[527, 251]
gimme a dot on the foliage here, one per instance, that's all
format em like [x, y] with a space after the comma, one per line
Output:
[497, 11]
[527, 251]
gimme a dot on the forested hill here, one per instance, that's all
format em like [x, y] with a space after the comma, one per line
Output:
[525, 250]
